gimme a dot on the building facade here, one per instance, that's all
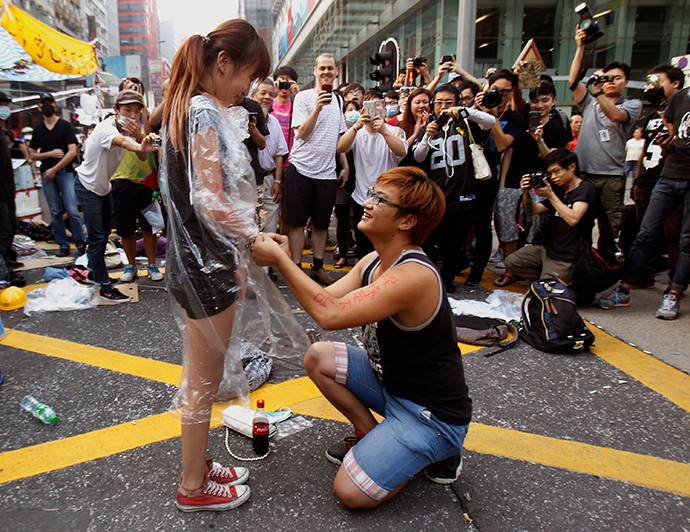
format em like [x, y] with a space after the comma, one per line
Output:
[482, 33]
[138, 26]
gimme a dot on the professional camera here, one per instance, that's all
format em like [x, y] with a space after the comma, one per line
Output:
[492, 98]
[587, 23]
[599, 79]
[283, 85]
[418, 61]
[538, 180]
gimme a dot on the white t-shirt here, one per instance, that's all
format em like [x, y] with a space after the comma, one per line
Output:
[275, 144]
[372, 157]
[633, 149]
[315, 157]
[101, 158]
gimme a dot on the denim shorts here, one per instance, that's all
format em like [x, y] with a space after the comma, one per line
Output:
[407, 440]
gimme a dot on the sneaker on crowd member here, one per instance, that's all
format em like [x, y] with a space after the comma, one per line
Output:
[110, 293]
[446, 471]
[616, 297]
[214, 497]
[154, 273]
[129, 274]
[669, 307]
[336, 453]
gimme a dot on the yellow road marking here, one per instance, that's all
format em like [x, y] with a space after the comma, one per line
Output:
[94, 356]
[660, 377]
[50, 456]
[647, 471]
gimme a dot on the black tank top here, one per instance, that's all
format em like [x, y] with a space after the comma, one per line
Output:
[423, 363]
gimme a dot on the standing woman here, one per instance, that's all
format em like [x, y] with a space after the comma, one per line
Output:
[210, 194]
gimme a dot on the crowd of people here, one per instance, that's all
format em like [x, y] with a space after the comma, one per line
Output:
[255, 162]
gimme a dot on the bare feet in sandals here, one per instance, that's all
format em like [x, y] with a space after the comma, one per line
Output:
[504, 280]
[340, 264]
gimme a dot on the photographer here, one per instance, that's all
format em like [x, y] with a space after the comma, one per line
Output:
[607, 119]
[376, 148]
[542, 133]
[572, 212]
[498, 139]
[444, 154]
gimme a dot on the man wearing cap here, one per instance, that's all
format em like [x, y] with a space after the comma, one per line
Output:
[54, 145]
[102, 156]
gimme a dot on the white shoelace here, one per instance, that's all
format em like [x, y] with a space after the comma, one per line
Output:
[220, 471]
[219, 490]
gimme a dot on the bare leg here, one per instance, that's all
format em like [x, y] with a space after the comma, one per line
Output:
[508, 248]
[354, 498]
[296, 237]
[150, 247]
[319, 362]
[129, 244]
[318, 242]
[206, 341]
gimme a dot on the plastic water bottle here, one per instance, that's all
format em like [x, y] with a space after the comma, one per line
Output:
[39, 410]
[260, 429]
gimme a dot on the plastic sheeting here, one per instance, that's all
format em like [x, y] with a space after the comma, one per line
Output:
[220, 297]
[60, 294]
[501, 304]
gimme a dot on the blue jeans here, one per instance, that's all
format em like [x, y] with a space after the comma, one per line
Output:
[667, 195]
[98, 217]
[630, 167]
[405, 442]
[59, 193]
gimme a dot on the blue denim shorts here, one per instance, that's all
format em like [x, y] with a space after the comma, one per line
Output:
[407, 440]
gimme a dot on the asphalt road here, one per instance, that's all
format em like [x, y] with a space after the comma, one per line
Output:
[592, 442]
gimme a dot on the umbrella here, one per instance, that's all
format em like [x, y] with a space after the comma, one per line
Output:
[46, 47]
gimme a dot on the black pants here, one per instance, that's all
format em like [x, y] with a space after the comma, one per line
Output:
[364, 245]
[450, 238]
[8, 228]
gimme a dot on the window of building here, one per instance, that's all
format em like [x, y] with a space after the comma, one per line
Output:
[652, 36]
[538, 23]
[486, 33]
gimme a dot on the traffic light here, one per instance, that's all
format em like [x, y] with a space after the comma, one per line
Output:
[386, 63]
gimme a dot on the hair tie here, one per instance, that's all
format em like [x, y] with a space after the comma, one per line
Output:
[204, 38]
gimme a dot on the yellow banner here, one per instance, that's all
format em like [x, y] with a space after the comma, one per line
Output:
[48, 47]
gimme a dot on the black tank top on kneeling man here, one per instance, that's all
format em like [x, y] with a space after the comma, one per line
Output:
[421, 364]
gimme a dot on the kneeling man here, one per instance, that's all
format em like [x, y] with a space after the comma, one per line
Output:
[572, 206]
[411, 372]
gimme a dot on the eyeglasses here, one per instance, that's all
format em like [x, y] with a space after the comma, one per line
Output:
[444, 102]
[505, 92]
[355, 91]
[376, 199]
[466, 99]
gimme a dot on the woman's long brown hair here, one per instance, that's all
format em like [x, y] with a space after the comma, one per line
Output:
[238, 39]
[408, 121]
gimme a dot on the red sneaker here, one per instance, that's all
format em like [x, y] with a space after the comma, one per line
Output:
[214, 497]
[227, 475]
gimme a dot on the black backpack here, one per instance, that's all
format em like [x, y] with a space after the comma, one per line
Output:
[550, 320]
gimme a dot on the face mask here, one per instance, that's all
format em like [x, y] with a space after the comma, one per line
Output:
[351, 117]
[391, 110]
[4, 112]
[655, 96]
[47, 110]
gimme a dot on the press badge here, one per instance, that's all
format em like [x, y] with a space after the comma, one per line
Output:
[604, 135]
